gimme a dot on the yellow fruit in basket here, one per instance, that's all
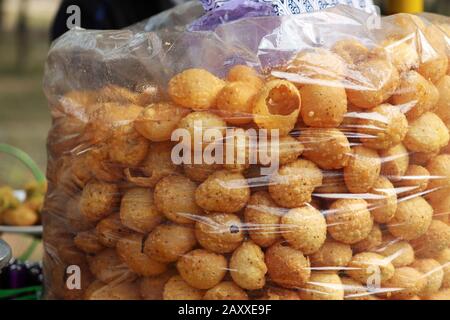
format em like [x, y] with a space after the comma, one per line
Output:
[277, 106]
[235, 102]
[127, 147]
[175, 198]
[195, 88]
[177, 289]
[394, 162]
[322, 286]
[332, 254]
[439, 168]
[436, 239]
[110, 229]
[415, 181]
[384, 202]
[399, 252]
[21, 216]
[88, 242]
[365, 265]
[157, 121]
[351, 50]
[247, 266]
[287, 266]
[98, 200]
[349, 221]
[107, 267]
[202, 269]
[129, 250]
[169, 242]
[433, 273]
[138, 210]
[126, 290]
[323, 106]
[226, 290]
[363, 170]
[405, 284]
[412, 218]
[220, 232]
[223, 191]
[294, 183]
[371, 243]
[245, 74]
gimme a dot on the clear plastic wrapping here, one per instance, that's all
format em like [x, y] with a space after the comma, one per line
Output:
[294, 157]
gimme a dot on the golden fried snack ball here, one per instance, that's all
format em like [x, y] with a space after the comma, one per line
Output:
[328, 148]
[349, 221]
[98, 200]
[354, 290]
[415, 181]
[274, 293]
[323, 106]
[110, 230]
[351, 50]
[220, 232]
[239, 142]
[152, 288]
[333, 183]
[434, 240]
[403, 54]
[223, 191]
[287, 266]
[444, 259]
[383, 127]
[262, 219]
[157, 121]
[433, 273]
[441, 209]
[434, 60]
[177, 289]
[416, 94]
[304, 228]
[443, 105]
[406, 283]
[245, 74]
[235, 102]
[422, 158]
[289, 149]
[202, 269]
[412, 219]
[247, 266]
[107, 267]
[127, 147]
[439, 168]
[97, 159]
[200, 172]
[174, 196]
[399, 252]
[226, 290]
[377, 79]
[365, 265]
[138, 211]
[322, 286]
[195, 88]
[294, 183]
[332, 254]
[277, 106]
[129, 250]
[394, 162]
[125, 290]
[373, 241]
[426, 134]
[384, 204]
[443, 294]
[363, 170]
[88, 242]
[169, 242]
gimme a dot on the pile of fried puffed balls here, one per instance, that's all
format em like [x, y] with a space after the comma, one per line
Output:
[358, 208]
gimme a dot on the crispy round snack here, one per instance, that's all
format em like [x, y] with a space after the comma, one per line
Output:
[433, 273]
[332, 254]
[443, 104]
[328, 148]
[434, 60]
[415, 181]
[169, 242]
[378, 79]
[110, 230]
[277, 106]
[349, 221]
[195, 88]
[157, 121]
[245, 74]
[322, 106]
[439, 168]
[373, 241]
[289, 149]
[287, 266]
[304, 228]
[333, 183]
[138, 211]
[235, 102]
[240, 143]
[399, 252]
[394, 162]
[247, 267]
[220, 232]
[351, 50]
[294, 183]
[406, 283]
[98, 200]
[127, 147]
[125, 290]
[363, 170]
[441, 209]
[383, 127]
[202, 269]
[322, 286]
[367, 264]
[384, 204]
[129, 250]
[174, 196]
[88, 242]
[101, 168]
[403, 54]
[107, 267]
[443, 294]
[275, 293]
[223, 191]
[177, 289]
[226, 290]
[354, 290]
[262, 219]
[426, 134]
[152, 288]
[444, 259]
[412, 219]
[436, 239]
[200, 172]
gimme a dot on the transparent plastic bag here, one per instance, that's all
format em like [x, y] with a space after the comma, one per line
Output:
[278, 157]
